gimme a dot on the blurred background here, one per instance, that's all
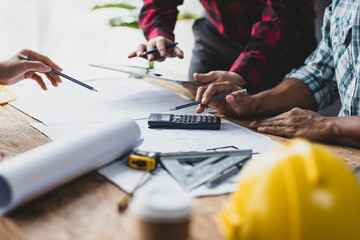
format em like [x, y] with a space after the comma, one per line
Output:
[73, 35]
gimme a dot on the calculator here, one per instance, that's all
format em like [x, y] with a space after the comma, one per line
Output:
[184, 121]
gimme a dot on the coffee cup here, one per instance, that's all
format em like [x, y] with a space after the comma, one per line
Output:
[162, 213]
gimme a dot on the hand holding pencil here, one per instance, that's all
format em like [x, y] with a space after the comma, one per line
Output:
[15, 69]
[158, 49]
[41, 60]
[234, 100]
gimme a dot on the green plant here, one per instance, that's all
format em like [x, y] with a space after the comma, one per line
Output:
[130, 19]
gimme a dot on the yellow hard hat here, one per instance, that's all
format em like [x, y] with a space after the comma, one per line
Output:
[301, 191]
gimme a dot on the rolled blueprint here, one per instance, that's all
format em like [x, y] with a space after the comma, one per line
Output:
[39, 170]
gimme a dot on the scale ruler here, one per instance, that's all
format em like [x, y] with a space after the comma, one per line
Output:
[209, 165]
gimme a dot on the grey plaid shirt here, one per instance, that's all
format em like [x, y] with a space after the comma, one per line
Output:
[332, 70]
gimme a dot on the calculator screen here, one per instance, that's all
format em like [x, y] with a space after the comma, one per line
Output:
[164, 117]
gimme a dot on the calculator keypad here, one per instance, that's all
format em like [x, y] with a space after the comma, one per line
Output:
[195, 118]
[185, 121]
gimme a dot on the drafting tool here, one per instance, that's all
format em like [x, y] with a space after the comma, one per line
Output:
[178, 165]
[223, 176]
[184, 121]
[138, 71]
[192, 169]
[211, 99]
[22, 56]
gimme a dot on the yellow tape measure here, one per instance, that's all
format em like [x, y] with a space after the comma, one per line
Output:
[143, 160]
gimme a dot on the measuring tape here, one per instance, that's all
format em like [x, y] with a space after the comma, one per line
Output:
[143, 160]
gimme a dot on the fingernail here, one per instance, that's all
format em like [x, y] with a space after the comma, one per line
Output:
[252, 123]
[162, 53]
[260, 129]
[230, 98]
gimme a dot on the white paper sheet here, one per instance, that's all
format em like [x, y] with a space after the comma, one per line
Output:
[70, 103]
[37, 171]
[230, 135]
[70, 108]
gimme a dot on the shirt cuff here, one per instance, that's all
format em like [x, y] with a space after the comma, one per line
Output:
[245, 66]
[161, 32]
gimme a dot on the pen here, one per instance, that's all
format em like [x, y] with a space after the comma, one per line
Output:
[211, 99]
[155, 49]
[226, 174]
[22, 56]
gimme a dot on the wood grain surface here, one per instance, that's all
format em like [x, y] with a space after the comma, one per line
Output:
[87, 207]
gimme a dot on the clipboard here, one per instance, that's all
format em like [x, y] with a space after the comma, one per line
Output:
[6, 95]
[138, 71]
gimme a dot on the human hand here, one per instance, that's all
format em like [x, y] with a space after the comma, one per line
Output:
[294, 123]
[15, 69]
[214, 77]
[235, 104]
[161, 54]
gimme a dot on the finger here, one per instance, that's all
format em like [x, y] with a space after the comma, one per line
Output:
[175, 52]
[269, 121]
[140, 50]
[200, 93]
[239, 104]
[35, 66]
[215, 89]
[39, 80]
[179, 53]
[160, 45]
[56, 77]
[205, 77]
[273, 123]
[161, 59]
[42, 58]
[133, 54]
[201, 107]
[52, 79]
[274, 130]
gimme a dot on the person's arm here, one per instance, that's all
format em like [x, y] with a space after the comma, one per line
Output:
[15, 69]
[311, 125]
[345, 131]
[314, 83]
[288, 94]
[157, 20]
[270, 39]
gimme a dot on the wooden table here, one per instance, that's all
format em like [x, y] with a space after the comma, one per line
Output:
[87, 207]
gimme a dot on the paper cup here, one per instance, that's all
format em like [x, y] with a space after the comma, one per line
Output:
[162, 213]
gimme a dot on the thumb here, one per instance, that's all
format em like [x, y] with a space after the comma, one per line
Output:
[204, 77]
[36, 67]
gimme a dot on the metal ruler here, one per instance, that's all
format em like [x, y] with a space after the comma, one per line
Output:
[192, 169]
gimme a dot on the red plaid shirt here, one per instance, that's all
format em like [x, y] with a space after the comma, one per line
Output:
[266, 27]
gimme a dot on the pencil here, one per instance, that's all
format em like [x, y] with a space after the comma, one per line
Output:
[155, 49]
[22, 56]
[211, 99]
